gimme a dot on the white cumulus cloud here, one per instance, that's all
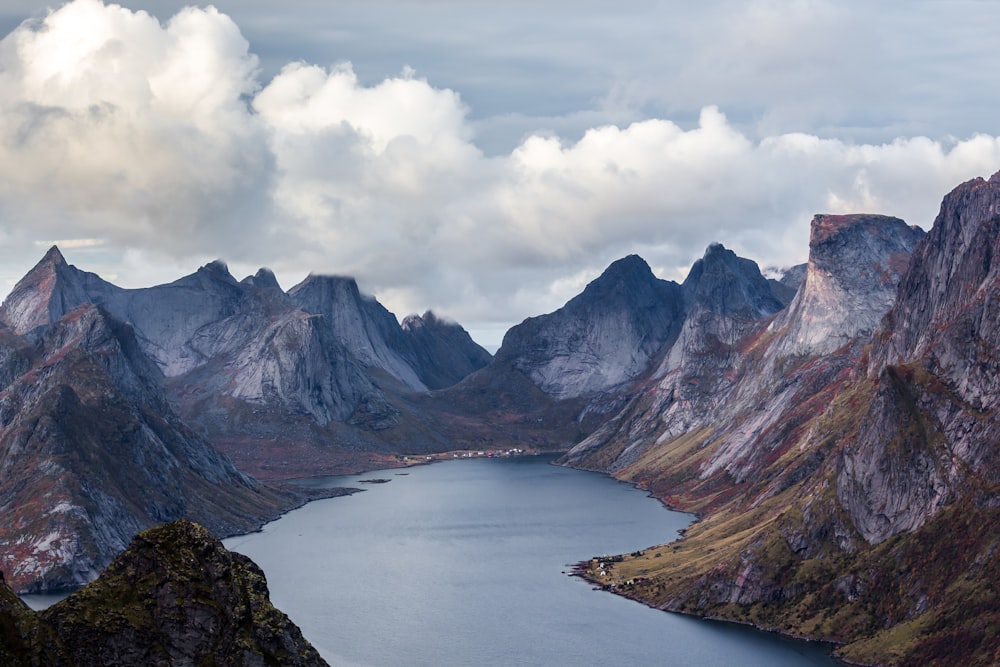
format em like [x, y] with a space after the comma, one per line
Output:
[154, 146]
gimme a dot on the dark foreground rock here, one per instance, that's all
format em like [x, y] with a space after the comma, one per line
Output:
[175, 597]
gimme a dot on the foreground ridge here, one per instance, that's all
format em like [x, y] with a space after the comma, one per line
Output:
[176, 596]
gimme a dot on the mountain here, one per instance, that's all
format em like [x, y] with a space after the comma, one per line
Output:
[863, 509]
[309, 382]
[602, 338]
[442, 352]
[91, 453]
[175, 596]
[558, 376]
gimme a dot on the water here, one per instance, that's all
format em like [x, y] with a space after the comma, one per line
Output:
[465, 562]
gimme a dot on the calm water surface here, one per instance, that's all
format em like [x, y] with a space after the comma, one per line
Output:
[464, 563]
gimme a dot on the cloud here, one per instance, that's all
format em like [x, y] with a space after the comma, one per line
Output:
[117, 127]
[164, 142]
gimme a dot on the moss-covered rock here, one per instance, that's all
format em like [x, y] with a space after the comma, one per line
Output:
[176, 596]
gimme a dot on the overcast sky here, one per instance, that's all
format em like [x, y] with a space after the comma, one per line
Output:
[481, 159]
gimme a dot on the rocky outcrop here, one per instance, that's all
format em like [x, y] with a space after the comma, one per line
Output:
[855, 265]
[49, 291]
[935, 365]
[176, 596]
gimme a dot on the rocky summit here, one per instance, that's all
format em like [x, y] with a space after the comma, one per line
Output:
[174, 597]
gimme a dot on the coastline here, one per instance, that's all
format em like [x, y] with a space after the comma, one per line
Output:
[582, 570]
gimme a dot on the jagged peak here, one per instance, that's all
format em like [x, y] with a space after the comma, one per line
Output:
[838, 242]
[217, 266]
[630, 264]
[326, 282]
[263, 279]
[622, 274]
[428, 319]
[53, 256]
[724, 282]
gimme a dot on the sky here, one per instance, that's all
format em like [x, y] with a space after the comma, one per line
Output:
[483, 160]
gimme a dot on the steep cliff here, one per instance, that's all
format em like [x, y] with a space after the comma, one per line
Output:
[50, 290]
[871, 520]
[935, 368]
[175, 596]
[90, 453]
[441, 352]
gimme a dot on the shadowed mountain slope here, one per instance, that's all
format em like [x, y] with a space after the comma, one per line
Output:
[175, 596]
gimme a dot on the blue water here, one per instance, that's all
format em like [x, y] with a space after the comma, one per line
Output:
[465, 563]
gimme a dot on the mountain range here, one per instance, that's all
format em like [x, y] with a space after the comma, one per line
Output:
[833, 427]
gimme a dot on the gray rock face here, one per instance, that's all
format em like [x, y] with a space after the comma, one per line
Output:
[744, 370]
[50, 290]
[726, 300]
[90, 453]
[441, 352]
[855, 265]
[937, 374]
[360, 323]
[604, 337]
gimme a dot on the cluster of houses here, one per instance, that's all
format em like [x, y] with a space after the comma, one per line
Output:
[494, 453]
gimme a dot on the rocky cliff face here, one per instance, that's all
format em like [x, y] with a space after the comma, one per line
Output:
[442, 352]
[360, 323]
[857, 502]
[726, 298]
[601, 339]
[90, 453]
[50, 290]
[176, 596]
[741, 363]
[855, 264]
[264, 373]
[934, 366]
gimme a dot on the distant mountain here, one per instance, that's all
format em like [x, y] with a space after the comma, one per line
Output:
[558, 376]
[601, 339]
[273, 379]
[441, 352]
[175, 596]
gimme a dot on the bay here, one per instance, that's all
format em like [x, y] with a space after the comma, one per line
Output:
[465, 563]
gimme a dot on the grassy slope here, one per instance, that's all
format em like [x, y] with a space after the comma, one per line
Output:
[783, 555]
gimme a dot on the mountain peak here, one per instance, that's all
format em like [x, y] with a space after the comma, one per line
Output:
[217, 266]
[855, 265]
[53, 256]
[628, 265]
[622, 276]
[44, 294]
[263, 279]
[726, 283]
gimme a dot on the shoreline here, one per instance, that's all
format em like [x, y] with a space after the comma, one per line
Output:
[581, 570]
